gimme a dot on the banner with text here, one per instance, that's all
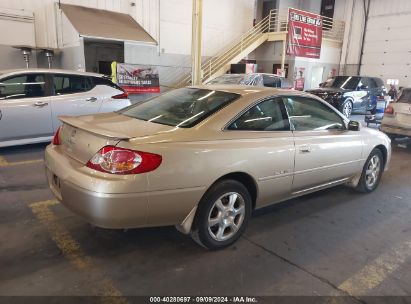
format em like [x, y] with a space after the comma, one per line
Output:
[304, 34]
[137, 79]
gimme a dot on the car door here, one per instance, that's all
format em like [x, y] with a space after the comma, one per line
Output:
[365, 94]
[73, 95]
[326, 152]
[25, 110]
[264, 128]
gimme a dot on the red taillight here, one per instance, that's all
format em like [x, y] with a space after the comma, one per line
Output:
[56, 138]
[123, 95]
[389, 110]
[117, 160]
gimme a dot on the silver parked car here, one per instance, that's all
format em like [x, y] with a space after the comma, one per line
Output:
[254, 79]
[32, 99]
[397, 116]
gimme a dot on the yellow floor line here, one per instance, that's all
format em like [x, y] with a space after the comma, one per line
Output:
[72, 251]
[374, 273]
[5, 163]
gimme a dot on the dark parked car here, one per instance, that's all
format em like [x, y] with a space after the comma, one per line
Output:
[351, 93]
[255, 79]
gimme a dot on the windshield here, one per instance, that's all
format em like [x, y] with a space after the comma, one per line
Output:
[180, 108]
[405, 96]
[343, 82]
[247, 79]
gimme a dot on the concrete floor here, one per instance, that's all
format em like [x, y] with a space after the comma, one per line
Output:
[335, 242]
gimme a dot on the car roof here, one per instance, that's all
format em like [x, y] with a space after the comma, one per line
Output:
[243, 74]
[11, 72]
[249, 90]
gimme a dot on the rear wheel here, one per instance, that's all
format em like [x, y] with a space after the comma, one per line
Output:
[372, 171]
[222, 215]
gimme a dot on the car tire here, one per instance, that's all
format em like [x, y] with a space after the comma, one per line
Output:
[347, 108]
[371, 173]
[222, 215]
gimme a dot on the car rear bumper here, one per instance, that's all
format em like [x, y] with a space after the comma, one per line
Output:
[102, 200]
[396, 130]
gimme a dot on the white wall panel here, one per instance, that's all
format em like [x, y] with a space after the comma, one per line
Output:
[389, 7]
[387, 47]
[222, 25]
[22, 25]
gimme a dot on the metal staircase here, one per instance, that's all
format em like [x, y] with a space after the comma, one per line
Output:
[272, 28]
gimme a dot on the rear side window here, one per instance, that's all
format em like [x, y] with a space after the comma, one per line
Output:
[182, 107]
[23, 86]
[286, 83]
[272, 81]
[269, 115]
[70, 84]
[369, 82]
[106, 82]
[405, 96]
[379, 82]
[373, 83]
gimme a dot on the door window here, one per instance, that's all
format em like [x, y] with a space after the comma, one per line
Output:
[70, 84]
[22, 86]
[307, 114]
[269, 115]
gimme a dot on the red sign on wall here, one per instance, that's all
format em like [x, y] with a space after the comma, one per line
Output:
[304, 34]
[137, 79]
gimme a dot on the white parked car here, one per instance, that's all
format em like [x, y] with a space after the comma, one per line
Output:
[32, 99]
[397, 116]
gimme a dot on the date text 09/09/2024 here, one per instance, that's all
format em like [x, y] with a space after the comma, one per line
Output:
[200, 299]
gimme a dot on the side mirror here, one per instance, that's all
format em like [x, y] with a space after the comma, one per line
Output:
[363, 87]
[353, 126]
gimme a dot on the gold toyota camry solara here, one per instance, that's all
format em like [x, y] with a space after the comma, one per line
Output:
[203, 158]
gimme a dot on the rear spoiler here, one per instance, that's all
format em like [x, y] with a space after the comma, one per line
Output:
[77, 122]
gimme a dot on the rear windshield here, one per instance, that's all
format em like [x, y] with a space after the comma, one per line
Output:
[181, 108]
[405, 96]
[343, 82]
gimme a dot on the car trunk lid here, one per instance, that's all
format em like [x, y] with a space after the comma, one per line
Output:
[83, 136]
[402, 112]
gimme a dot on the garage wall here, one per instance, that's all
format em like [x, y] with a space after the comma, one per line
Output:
[172, 56]
[22, 23]
[173, 17]
[387, 45]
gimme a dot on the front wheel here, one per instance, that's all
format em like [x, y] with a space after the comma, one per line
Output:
[222, 215]
[371, 173]
[347, 108]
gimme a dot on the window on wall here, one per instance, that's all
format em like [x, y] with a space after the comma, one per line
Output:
[307, 114]
[269, 115]
[23, 86]
[327, 8]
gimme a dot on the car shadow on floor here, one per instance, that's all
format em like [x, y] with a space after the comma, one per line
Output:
[24, 151]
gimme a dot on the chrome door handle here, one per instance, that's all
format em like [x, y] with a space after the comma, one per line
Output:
[92, 99]
[40, 104]
[305, 149]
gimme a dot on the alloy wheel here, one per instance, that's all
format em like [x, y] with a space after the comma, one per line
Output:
[372, 172]
[347, 109]
[226, 216]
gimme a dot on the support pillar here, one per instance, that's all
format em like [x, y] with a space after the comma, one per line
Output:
[196, 42]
